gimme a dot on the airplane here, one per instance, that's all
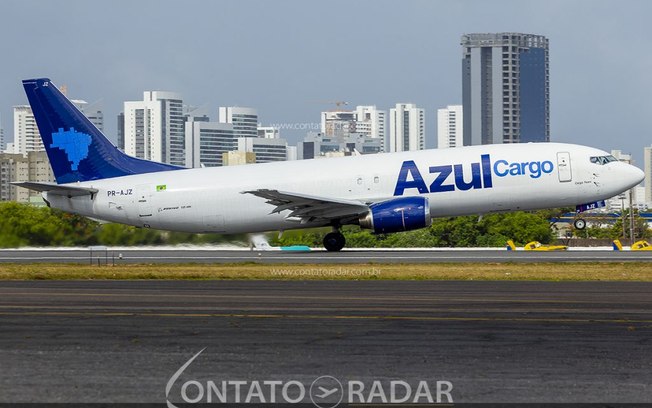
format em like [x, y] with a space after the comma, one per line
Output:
[326, 392]
[386, 193]
[536, 246]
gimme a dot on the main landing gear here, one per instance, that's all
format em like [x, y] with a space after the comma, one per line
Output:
[334, 241]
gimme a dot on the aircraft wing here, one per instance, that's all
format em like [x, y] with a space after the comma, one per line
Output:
[59, 189]
[306, 208]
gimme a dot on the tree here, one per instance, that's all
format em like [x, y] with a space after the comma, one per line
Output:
[22, 225]
[522, 227]
[641, 227]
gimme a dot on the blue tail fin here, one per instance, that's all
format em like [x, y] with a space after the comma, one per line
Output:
[77, 150]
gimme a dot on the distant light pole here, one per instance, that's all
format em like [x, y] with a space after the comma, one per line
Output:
[622, 213]
[631, 216]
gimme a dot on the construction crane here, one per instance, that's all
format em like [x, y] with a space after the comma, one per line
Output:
[338, 104]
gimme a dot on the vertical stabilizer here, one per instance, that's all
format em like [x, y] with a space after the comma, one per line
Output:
[77, 150]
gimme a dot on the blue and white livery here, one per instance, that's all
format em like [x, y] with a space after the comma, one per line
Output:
[387, 192]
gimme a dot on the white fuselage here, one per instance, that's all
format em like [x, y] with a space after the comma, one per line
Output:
[212, 199]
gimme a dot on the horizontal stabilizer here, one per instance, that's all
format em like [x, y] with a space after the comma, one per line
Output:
[58, 189]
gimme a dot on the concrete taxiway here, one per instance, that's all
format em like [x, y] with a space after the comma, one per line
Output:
[121, 341]
[184, 255]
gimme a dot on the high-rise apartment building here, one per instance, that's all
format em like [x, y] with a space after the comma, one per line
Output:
[338, 124]
[121, 131]
[154, 128]
[371, 122]
[13, 167]
[505, 88]
[450, 128]
[26, 135]
[407, 128]
[34, 166]
[39, 170]
[244, 120]
[266, 150]
[365, 120]
[207, 141]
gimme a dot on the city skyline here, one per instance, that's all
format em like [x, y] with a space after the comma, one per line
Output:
[282, 74]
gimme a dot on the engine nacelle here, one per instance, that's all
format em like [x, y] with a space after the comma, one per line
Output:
[399, 214]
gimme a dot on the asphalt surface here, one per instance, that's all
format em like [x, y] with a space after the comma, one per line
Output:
[517, 342]
[151, 256]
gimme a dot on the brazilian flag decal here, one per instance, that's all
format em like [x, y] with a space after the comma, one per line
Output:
[161, 187]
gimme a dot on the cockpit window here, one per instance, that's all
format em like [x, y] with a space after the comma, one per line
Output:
[602, 160]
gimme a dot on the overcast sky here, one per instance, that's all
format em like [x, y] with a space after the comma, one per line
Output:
[284, 57]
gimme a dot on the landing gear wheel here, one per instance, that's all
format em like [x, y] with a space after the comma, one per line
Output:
[334, 241]
[579, 224]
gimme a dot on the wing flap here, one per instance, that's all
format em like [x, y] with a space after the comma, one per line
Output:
[306, 207]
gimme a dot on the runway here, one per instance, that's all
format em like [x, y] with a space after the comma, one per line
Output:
[183, 255]
[516, 342]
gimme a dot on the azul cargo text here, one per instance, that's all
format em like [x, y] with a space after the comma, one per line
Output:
[481, 174]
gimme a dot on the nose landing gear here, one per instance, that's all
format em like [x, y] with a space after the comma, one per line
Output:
[579, 224]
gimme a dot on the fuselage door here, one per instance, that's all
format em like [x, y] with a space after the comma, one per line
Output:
[564, 167]
[143, 196]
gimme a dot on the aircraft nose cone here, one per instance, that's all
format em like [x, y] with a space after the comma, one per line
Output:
[633, 175]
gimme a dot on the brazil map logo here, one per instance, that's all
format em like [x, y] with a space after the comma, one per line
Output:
[74, 144]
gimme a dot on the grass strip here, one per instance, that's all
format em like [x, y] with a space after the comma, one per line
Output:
[443, 271]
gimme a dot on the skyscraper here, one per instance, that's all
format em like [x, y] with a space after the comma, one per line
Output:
[121, 131]
[26, 135]
[207, 141]
[154, 127]
[450, 127]
[13, 167]
[371, 122]
[365, 120]
[33, 166]
[505, 86]
[338, 124]
[244, 120]
[406, 128]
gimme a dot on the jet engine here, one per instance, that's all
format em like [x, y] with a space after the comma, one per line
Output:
[395, 215]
